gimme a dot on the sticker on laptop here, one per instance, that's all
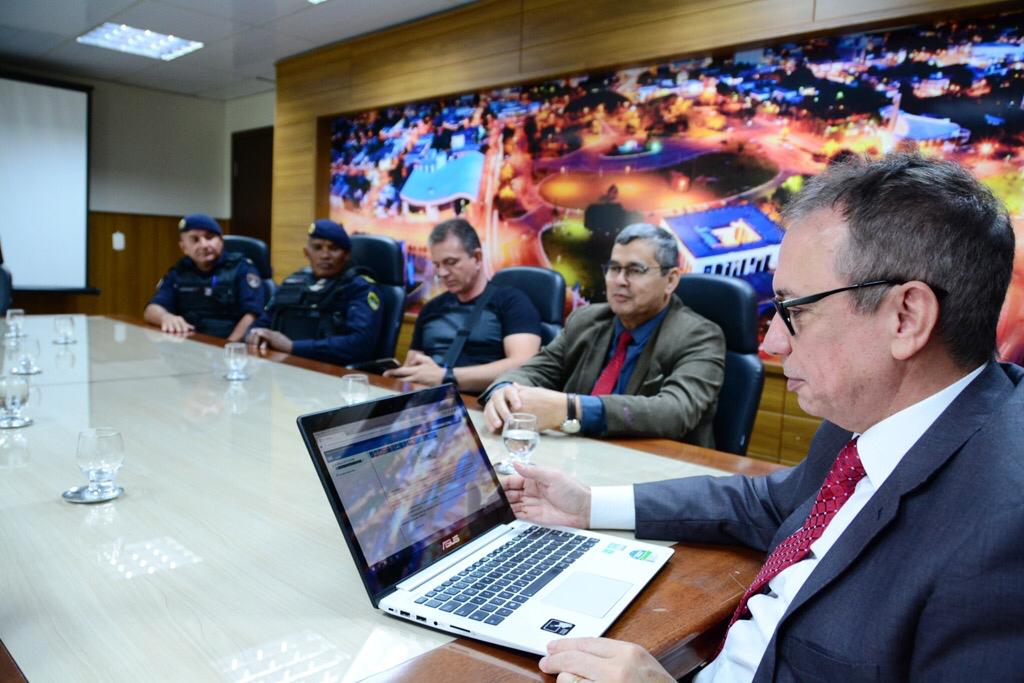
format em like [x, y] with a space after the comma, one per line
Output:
[613, 548]
[558, 626]
[643, 555]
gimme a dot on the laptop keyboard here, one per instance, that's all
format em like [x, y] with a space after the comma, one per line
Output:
[493, 587]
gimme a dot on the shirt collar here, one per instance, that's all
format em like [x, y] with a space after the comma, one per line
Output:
[642, 332]
[883, 445]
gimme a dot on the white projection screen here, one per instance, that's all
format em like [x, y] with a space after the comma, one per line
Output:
[44, 183]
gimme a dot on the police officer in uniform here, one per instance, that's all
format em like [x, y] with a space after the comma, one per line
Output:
[329, 311]
[207, 290]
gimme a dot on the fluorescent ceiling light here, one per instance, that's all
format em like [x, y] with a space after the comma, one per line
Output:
[315, 2]
[139, 41]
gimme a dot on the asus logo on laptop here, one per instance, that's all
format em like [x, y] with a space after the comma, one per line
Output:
[449, 542]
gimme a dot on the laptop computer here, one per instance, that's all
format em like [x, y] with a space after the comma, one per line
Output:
[437, 543]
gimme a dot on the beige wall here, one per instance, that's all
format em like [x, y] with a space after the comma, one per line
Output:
[500, 42]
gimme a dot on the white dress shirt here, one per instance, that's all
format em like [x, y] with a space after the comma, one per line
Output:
[881, 448]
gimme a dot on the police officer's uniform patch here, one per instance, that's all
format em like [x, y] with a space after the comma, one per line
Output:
[253, 280]
[373, 300]
[160, 283]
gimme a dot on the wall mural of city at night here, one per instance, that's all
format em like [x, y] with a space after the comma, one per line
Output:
[710, 148]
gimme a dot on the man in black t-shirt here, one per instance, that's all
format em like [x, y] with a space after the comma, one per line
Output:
[505, 335]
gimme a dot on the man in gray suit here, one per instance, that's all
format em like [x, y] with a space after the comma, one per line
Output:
[896, 547]
[641, 365]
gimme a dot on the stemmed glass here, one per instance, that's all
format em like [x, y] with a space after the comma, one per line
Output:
[64, 328]
[355, 389]
[100, 455]
[15, 396]
[15, 320]
[520, 438]
[236, 355]
[25, 353]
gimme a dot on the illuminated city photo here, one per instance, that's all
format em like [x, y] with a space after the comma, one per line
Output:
[710, 148]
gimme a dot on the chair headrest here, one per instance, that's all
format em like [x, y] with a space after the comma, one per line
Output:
[380, 254]
[545, 289]
[253, 249]
[729, 302]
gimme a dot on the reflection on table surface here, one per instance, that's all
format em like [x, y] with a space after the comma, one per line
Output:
[223, 560]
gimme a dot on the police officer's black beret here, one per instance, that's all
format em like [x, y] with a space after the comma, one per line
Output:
[327, 229]
[199, 221]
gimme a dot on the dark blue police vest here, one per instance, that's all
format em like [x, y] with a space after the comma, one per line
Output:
[209, 300]
[300, 311]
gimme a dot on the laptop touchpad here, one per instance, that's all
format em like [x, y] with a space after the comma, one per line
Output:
[588, 593]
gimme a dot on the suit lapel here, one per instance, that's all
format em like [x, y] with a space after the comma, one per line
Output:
[965, 416]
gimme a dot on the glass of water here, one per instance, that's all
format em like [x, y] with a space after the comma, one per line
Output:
[520, 438]
[25, 352]
[15, 393]
[236, 355]
[64, 328]
[100, 455]
[355, 389]
[15, 322]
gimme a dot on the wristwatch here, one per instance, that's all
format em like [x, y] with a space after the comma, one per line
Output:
[449, 376]
[571, 425]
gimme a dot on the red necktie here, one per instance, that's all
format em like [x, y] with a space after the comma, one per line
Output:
[610, 375]
[839, 484]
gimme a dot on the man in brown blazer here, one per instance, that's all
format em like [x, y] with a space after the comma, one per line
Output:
[641, 365]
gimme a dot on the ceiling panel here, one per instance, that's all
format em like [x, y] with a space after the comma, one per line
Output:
[23, 42]
[68, 17]
[183, 23]
[86, 60]
[340, 19]
[243, 11]
[251, 86]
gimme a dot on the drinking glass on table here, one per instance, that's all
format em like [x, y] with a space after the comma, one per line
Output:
[100, 455]
[15, 322]
[355, 389]
[25, 352]
[15, 392]
[64, 328]
[236, 355]
[520, 438]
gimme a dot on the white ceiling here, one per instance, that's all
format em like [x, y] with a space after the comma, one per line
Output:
[244, 38]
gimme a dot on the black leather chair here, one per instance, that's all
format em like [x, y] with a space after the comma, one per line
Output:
[383, 256]
[731, 303]
[545, 289]
[256, 251]
[6, 289]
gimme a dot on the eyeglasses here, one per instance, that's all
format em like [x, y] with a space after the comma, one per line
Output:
[632, 271]
[782, 307]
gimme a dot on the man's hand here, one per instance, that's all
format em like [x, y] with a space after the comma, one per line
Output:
[419, 368]
[263, 338]
[549, 406]
[603, 660]
[548, 496]
[175, 324]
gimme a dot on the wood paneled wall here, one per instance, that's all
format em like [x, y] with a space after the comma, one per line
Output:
[501, 42]
[126, 279]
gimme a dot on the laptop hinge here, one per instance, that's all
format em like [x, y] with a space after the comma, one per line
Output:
[479, 546]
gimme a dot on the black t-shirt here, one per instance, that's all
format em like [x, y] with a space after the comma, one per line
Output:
[509, 311]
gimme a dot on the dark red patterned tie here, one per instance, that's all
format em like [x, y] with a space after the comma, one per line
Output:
[610, 375]
[839, 484]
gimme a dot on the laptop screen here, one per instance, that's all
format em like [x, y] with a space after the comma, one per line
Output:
[408, 478]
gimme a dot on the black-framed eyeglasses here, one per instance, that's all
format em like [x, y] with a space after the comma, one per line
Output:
[782, 307]
[632, 270]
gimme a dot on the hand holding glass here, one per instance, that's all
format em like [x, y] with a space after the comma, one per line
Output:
[236, 354]
[520, 438]
[64, 328]
[100, 455]
[355, 389]
[15, 394]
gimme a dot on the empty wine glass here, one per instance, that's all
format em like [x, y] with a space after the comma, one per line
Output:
[15, 392]
[355, 389]
[100, 455]
[24, 353]
[236, 355]
[520, 438]
[64, 328]
[15, 322]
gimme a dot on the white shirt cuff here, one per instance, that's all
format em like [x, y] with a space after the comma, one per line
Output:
[611, 507]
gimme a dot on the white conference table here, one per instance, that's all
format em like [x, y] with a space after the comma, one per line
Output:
[223, 560]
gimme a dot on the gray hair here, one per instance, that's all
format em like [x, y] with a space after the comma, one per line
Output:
[912, 218]
[461, 228]
[666, 251]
